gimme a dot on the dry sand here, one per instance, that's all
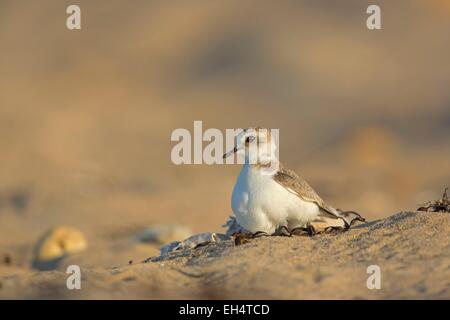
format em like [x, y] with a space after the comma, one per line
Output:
[86, 119]
[411, 248]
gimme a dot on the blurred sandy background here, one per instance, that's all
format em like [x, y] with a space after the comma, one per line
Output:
[86, 116]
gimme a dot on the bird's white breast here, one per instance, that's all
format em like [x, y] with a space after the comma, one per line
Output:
[261, 204]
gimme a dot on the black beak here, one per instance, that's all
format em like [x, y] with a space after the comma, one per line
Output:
[229, 153]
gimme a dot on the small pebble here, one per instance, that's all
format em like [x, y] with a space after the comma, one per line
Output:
[7, 259]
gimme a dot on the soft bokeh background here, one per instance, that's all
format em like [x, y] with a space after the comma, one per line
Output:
[86, 116]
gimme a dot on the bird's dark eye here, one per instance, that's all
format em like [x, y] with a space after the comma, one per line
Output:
[249, 139]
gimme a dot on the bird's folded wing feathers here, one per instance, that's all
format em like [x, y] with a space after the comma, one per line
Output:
[298, 186]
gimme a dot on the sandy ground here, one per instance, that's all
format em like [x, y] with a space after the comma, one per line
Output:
[412, 250]
[86, 119]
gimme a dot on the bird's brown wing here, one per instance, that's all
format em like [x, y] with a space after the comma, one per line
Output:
[298, 186]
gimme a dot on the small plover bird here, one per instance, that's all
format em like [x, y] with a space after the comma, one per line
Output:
[278, 202]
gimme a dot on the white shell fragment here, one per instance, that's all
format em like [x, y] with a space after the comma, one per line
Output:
[194, 241]
[204, 238]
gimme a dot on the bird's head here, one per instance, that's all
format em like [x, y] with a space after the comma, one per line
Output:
[255, 145]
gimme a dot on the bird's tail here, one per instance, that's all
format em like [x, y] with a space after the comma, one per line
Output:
[350, 217]
[336, 219]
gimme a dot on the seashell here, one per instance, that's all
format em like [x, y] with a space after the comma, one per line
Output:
[56, 244]
[194, 241]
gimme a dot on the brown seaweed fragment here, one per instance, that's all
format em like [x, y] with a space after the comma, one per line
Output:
[441, 205]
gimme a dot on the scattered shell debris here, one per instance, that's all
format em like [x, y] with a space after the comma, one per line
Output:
[234, 232]
[194, 242]
[57, 244]
[203, 239]
[6, 259]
